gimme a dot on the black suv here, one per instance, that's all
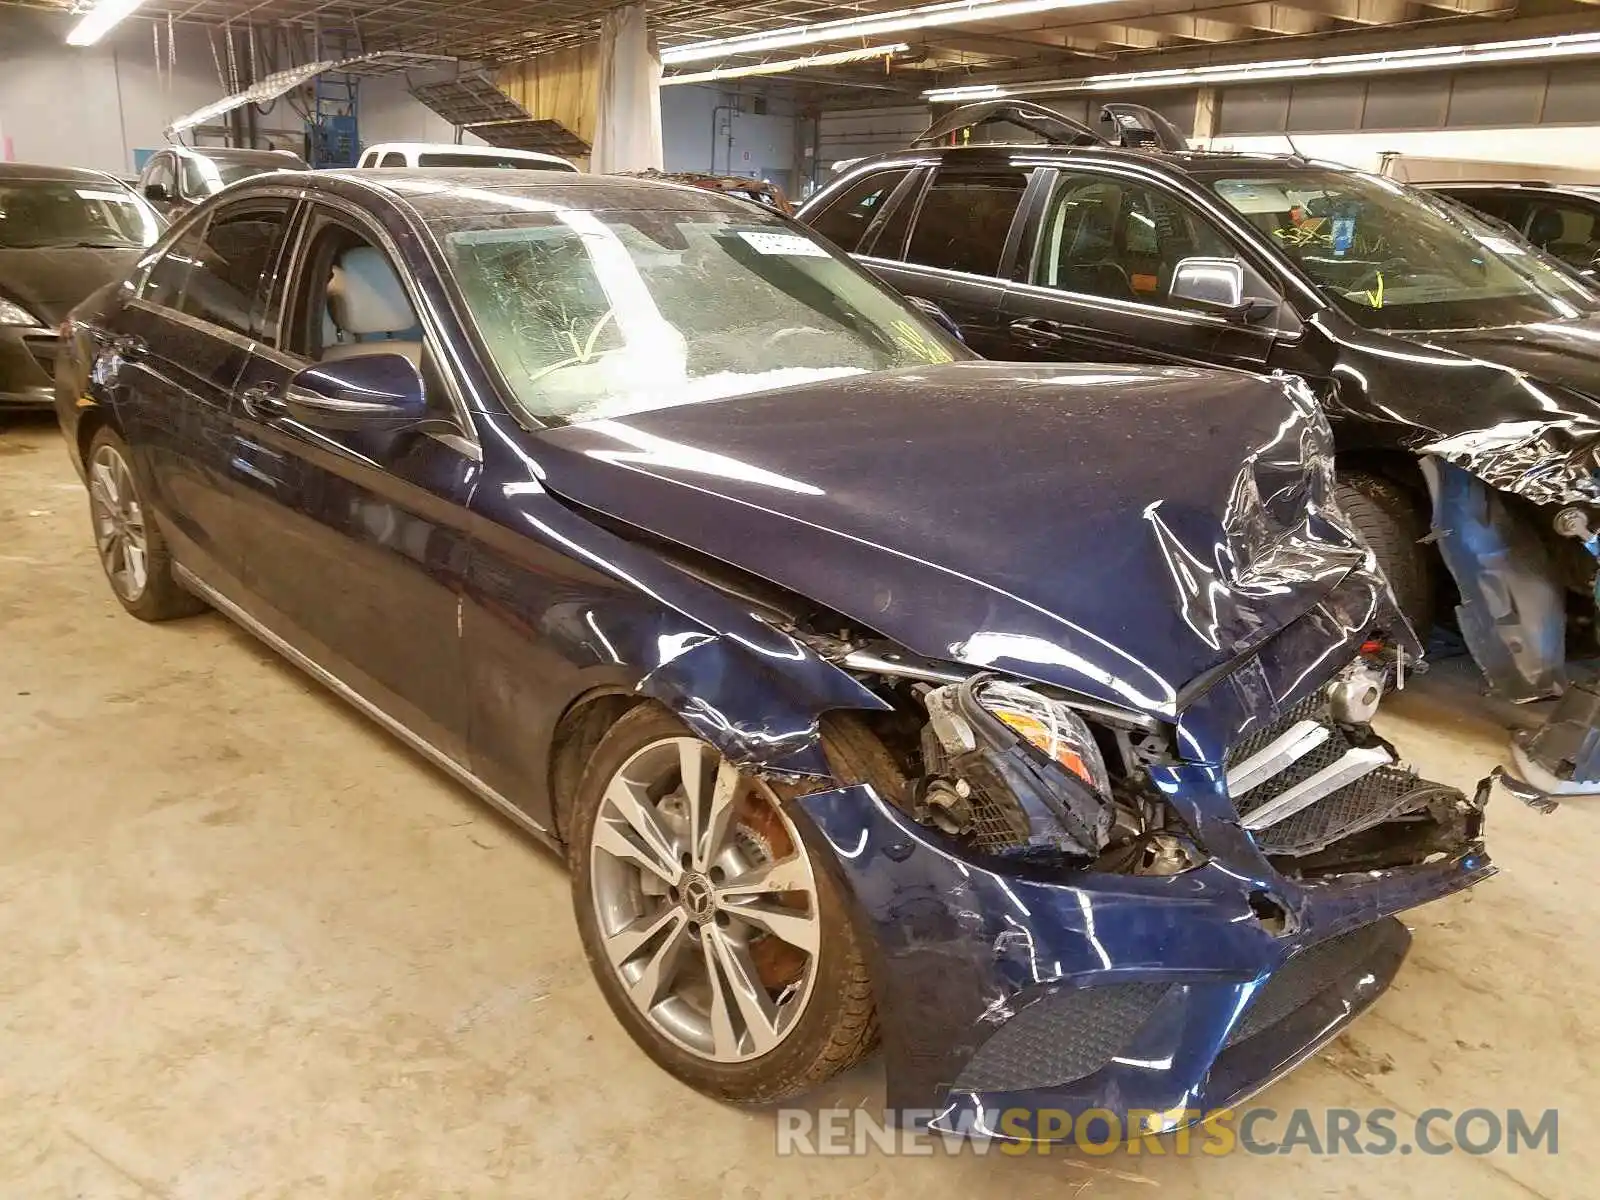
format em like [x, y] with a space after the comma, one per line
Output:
[1459, 367]
[1561, 219]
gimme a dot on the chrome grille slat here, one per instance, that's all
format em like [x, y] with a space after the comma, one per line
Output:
[1276, 756]
[1349, 767]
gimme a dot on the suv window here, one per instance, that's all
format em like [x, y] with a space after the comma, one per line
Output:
[1512, 209]
[964, 219]
[1120, 239]
[1566, 231]
[392, 159]
[159, 171]
[846, 218]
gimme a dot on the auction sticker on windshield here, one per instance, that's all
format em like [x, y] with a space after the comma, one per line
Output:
[782, 243]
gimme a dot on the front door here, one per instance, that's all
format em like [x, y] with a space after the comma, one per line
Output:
[357, 540]
[1104, 248]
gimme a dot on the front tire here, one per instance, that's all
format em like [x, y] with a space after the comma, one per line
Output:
[133, 553]
[1394, 526]
[722, 947]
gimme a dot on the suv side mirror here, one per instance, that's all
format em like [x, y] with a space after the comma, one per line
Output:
[382, 393]
[1216, 285]
[156, 192]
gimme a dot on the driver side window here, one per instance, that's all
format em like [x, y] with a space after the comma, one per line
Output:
[352, 300]
[1120, 239]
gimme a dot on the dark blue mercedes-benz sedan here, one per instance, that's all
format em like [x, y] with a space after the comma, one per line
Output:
[1019, 716]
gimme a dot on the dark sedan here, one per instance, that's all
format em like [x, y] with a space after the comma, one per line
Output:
[865, 687]
[63, 233]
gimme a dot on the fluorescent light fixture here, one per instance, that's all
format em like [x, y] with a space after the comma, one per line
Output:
[1574, 45]
[100, 20]
[779, 66]
[955, 12]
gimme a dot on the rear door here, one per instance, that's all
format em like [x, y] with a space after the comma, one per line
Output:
[356, 543]
[179, 346]
[955, 244]
[1096, 265]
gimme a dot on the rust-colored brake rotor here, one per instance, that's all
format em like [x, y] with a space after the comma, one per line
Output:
[777, 962]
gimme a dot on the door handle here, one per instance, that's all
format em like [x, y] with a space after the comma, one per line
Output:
[1036, 332]
[130, 347]
[261, 404]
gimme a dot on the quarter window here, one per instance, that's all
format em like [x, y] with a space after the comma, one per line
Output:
[846, 218]
[964, 219]
[1119, 239]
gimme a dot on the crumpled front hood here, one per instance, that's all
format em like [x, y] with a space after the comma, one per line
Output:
[49, 283]
[1117, 531]
[1562, 354]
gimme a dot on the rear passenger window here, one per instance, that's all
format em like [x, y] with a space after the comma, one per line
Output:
[241, 248]
[392, 159]
[846, 218]
[964, 219]
[216, 270]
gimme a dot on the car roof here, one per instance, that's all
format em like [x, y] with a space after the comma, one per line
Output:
[1588, 191]
[441, 192]
[236, 154]
[40, 171]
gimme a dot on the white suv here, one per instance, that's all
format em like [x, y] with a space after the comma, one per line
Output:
[436, 154]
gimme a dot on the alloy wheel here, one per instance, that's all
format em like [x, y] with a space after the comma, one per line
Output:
[119, 530]
[706, 901]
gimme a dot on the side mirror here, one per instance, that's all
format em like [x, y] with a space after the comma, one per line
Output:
[938, 316]
[1216, 285]
[382, 393]
[156, 192]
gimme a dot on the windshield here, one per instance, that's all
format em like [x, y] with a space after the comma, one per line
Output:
[509, 162]
[1394, 258]
[39, 213]
[207, 176]
[598, 315]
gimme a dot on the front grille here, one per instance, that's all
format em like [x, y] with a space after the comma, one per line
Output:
[1311, 972]
[1370, 800]
[1316, 813]
[1065, 1036]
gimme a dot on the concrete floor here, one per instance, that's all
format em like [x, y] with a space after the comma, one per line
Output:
[251, 946]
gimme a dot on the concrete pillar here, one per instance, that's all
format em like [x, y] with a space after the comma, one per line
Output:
[627, 134]
[1205, 118]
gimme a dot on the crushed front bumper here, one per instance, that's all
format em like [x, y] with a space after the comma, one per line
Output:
[1134, 994]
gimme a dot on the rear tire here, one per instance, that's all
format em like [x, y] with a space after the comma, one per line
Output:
[133, 554]
[670, 1010]
[1394, 526]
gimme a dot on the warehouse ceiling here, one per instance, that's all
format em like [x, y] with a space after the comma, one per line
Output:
[1075, 40]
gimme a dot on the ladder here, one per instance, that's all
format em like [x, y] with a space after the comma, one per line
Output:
[333, 133]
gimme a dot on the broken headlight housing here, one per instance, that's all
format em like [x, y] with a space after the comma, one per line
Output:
[1017, 769]
[1051, 727]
